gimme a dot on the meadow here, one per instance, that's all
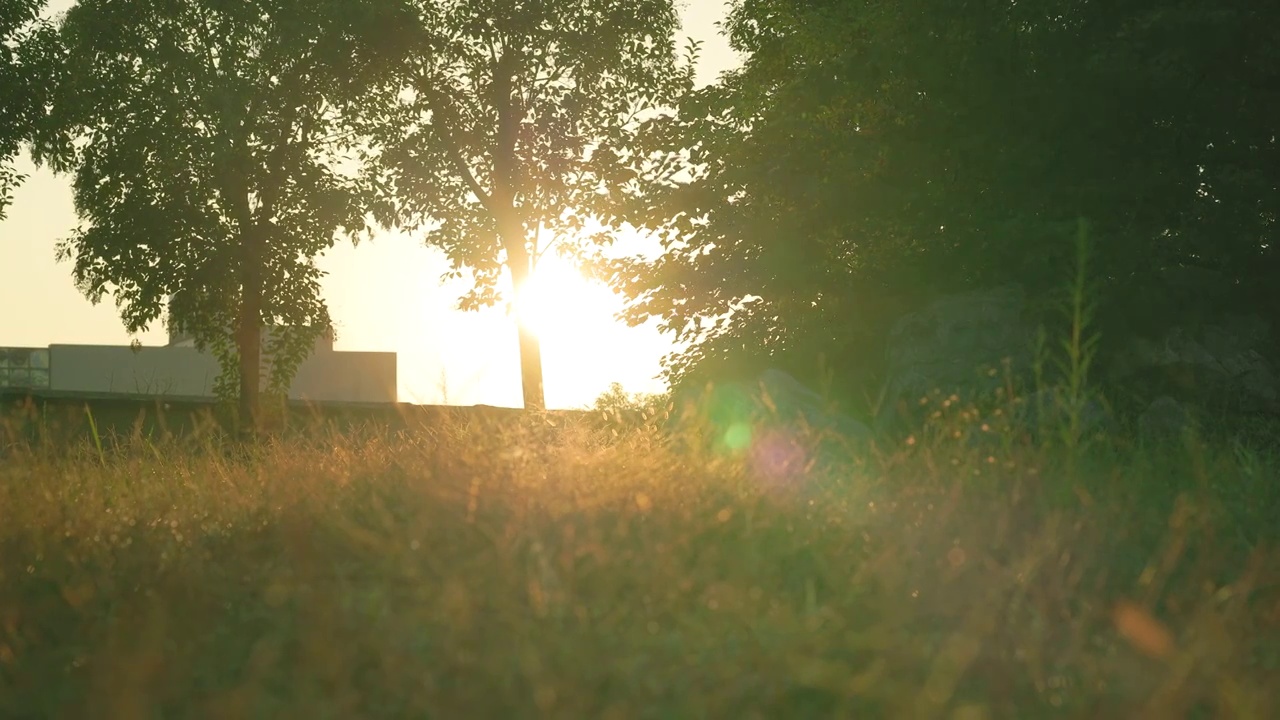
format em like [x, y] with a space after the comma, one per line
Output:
[590, 568]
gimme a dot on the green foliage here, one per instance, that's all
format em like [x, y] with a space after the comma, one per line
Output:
[1079, 347]
[211, 147]
[27, 50]
[507, 129]
[869, 155]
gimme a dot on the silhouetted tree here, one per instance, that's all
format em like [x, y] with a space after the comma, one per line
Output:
[212, 145]
[509, 127]
[868, 155]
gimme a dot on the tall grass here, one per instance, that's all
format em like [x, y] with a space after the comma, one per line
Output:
[494, 571]
[1079, 347]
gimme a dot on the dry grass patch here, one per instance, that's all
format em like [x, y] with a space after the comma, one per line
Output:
[465, 571]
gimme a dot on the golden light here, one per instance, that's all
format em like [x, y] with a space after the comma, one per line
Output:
[561, 305]
[455, 357]
[584, 346]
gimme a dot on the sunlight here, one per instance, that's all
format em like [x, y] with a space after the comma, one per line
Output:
[379, 301]
[584, 346]
[559, 304]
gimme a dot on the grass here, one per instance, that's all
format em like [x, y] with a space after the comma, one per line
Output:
[488, 571]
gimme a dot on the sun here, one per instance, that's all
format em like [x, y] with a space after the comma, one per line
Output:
[584, 345]
[559, 303]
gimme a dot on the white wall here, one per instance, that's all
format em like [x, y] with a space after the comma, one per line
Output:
[177, 371]
[185, 372]
[346, 377]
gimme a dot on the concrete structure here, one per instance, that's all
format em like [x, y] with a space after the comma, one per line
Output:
[181, 371]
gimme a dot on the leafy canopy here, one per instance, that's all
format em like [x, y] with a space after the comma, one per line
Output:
[212, 144]
[520, 106]
[868, 155]
[508, 132]
[27, 51]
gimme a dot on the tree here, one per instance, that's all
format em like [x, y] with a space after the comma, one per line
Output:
[869, 155]
[26, 51]
[510, 127]
[211, 144]
[816, 174]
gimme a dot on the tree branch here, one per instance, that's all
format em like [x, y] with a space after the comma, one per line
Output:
[440, 119]
[504, 157]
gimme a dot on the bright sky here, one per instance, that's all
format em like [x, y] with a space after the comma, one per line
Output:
[384, 295]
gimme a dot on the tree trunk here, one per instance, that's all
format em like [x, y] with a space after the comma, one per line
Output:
[511, 229]
[249, 332]
[518, 261]
[531, 368]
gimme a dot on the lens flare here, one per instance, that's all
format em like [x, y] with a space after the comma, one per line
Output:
[738, 436]
[780, 449]
[779, 458]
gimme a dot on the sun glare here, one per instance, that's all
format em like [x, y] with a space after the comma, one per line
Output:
[560, 305]
[455, 357]
[584, 345]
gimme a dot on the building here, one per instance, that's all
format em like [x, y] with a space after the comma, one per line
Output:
[179, 371]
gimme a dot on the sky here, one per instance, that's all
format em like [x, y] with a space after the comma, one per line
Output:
[384, 295]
